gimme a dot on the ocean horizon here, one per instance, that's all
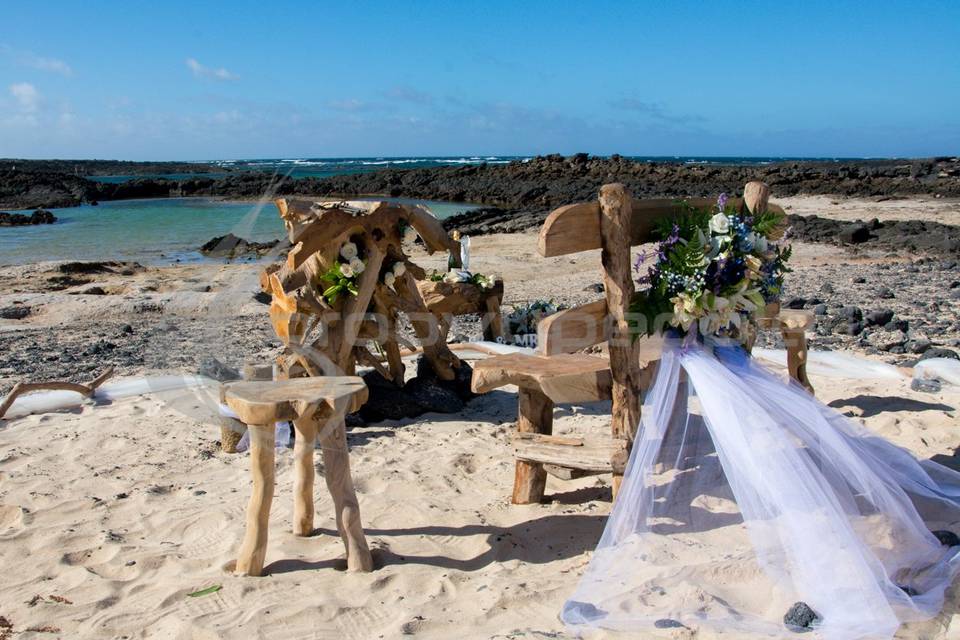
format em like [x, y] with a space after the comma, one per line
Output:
[326, 167]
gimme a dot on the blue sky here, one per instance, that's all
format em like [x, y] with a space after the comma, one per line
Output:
[205, 80]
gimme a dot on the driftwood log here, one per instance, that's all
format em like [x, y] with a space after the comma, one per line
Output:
[86, 390]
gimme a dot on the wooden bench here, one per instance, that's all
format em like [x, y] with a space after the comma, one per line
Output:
[558, 374]
[317, 406]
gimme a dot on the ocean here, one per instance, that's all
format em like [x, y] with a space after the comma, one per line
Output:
[325, 167]
[152, 232]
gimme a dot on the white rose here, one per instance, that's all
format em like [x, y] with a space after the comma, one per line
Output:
[399, 269]
[357, 265]
[720, 224]
[389, 279]
[348, 251]
[346, 270]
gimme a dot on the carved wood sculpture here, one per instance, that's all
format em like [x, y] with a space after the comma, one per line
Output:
[612, 224]
[299, 309]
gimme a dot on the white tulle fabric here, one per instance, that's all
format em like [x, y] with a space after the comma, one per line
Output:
[744, 495]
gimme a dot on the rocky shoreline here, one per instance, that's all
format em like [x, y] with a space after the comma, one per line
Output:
[515, 189]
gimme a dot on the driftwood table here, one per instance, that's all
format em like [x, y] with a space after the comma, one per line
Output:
[317, 406]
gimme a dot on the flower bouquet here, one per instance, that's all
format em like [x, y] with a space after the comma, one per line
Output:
[714, 269]
[341, 277]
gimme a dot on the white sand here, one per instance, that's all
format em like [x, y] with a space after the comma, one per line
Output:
[454, 558]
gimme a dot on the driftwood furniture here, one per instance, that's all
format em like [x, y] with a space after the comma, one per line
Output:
[559, 374]
[317, 407]
[298, 309]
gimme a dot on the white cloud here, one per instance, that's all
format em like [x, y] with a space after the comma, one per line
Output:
[41, 63]
[26, 96]
[53, 65]
[201, 71]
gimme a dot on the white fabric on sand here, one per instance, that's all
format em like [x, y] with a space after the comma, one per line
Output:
[738, 482]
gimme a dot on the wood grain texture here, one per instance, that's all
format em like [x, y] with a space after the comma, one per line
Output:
[573, 329]
[615, 229]
[336, 469]
[576, 227]
[253, 549]
[562, 378]
[304, 474]
[259, 402]
[535, 416]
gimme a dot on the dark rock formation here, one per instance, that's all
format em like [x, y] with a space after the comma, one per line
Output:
[421, 394]
[230, 246]
[947, 538]
[40, 216]
[14, 313]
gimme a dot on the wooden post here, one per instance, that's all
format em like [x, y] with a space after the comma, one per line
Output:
[615, 212]
[493, 323]
[336, 468]
[304, 473]
[253, 550]
[796, 343]
[535, 415]
[756, 196]
[231, 431]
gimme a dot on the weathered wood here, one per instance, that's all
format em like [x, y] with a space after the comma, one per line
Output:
[756, 197]
[562, 378]
[573, 329]
[356, 306]
[493, 319]
[535, 416]
[336, 469]
[576, 227]
[593, 455]
[304, 473]
[312, 226]
[86, 390]
[427, 328]
[618, 289]
[796, 343]
[253, 550]
[566, 473]
[269, 402]
[231, 432]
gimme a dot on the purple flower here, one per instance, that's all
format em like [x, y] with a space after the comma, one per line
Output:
[640, 260]
[722, 201]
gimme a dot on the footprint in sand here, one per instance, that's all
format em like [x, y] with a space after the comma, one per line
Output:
[12, 519]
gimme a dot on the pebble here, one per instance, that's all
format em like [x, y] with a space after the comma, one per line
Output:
[800, 617]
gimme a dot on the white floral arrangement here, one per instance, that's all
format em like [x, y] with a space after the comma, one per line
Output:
[341, 277]
[390, 275]
[459, 275]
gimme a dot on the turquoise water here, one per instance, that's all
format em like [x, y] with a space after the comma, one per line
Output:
[158, 231]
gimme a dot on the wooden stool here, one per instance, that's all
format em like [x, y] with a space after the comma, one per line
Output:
[316, 406]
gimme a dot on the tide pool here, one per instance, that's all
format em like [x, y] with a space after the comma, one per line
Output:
[157, 231]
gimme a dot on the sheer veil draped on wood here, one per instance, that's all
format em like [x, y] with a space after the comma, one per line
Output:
[744, 495]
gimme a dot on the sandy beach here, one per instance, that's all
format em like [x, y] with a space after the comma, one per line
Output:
[111, 514]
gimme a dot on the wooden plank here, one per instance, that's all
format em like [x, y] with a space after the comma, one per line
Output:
[594, 455]
[562, 378]
[564, 473]
[576, 227]
[573, 329]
